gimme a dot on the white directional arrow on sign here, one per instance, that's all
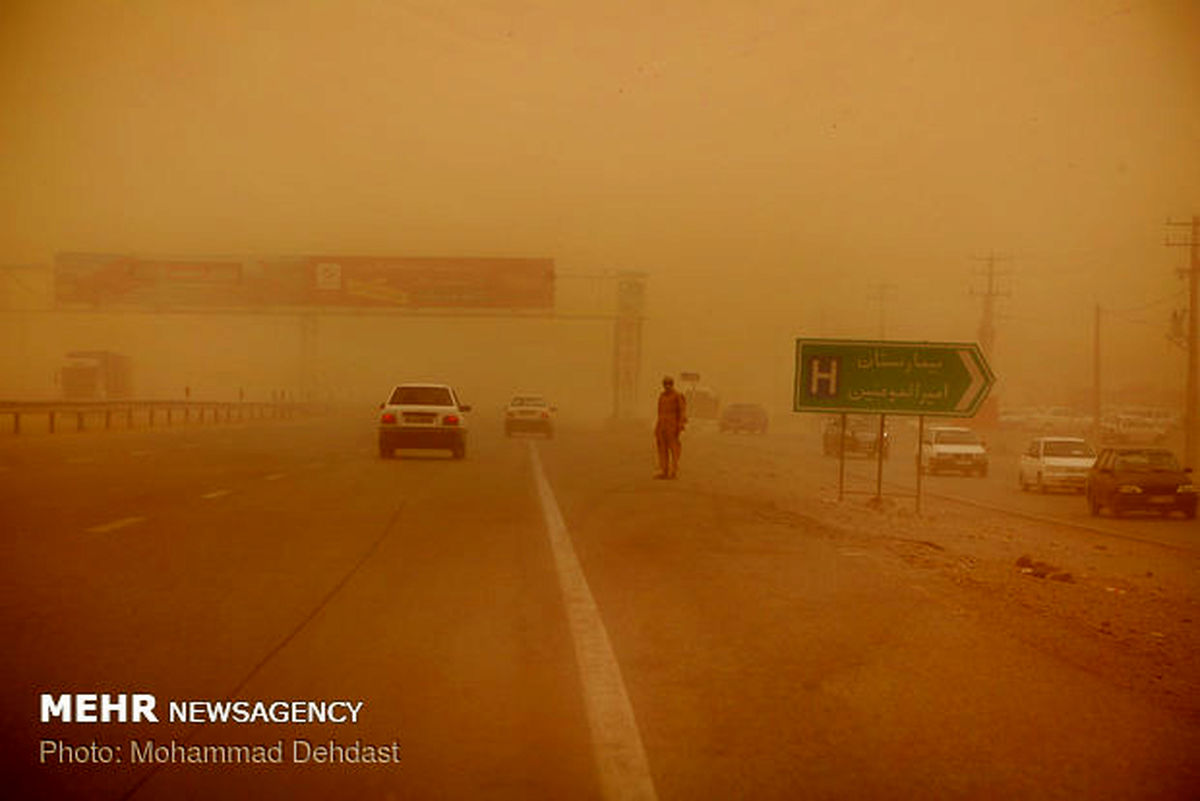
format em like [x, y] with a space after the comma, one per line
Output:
[978, 380]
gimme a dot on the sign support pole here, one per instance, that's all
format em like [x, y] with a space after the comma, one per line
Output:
[879, 460]
[842, 457]
[937, 379]
[920, 439]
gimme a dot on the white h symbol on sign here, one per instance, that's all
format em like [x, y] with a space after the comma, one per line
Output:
[823, 370]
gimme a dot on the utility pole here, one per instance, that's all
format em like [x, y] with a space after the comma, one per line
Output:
[1097, 403]
[1191, 403]
[627, 342]
[987, 326]
[881, 293]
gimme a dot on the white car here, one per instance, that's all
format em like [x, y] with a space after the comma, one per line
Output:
[529, 412]
[1133, 429]
[1055, 462]
[1061, 420]
[952, 449]
[423, 416]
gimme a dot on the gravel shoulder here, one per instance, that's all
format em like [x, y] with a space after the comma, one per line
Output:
[1126, 611]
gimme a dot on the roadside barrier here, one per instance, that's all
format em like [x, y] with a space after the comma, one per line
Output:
[91, 415]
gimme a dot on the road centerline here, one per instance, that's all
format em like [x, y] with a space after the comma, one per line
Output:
[616, 742]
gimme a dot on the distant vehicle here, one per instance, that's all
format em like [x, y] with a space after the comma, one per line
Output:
[1127, 479]
[1055, 463]
[749, 417]
[531, 413]
[96, 375]
[428, 416]
[1133, 429]
[860, 437]
[952, 449]
[1016, 416]
[702, 403]
[1166, 419]
[1060, 419]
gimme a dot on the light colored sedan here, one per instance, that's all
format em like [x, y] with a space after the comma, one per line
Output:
[1055, 463]
[423, 416]
[529, 412]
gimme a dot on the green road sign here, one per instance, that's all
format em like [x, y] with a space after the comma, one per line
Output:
[940, 379]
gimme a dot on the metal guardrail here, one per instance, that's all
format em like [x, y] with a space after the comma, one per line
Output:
[126, 414]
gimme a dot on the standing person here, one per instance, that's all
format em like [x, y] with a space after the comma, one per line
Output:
[672, 417]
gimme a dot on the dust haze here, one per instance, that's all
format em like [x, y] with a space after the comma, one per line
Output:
[774, 170]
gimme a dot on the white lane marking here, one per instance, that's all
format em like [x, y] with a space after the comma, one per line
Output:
[275, 476]
[104, 528]
[215, 494]
[616, 741]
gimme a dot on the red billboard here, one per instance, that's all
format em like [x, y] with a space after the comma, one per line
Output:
[86, 280]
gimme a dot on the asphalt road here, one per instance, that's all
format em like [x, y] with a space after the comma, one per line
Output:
[700, 645]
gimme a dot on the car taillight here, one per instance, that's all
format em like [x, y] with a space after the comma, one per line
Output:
[388, 418]
[511, 413]
[545, 415]
[450, 420]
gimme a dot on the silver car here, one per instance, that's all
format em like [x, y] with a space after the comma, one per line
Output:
[1055, 463]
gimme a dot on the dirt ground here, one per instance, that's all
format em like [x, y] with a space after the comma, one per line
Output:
[1125, 610]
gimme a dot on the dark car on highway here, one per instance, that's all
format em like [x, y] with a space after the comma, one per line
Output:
[1140, 480]
[861, 436]
[743, 417]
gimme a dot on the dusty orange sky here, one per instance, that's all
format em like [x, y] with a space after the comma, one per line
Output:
[768, 164]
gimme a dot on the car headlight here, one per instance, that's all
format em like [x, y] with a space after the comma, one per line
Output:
[1186, 488]
[1129, 489]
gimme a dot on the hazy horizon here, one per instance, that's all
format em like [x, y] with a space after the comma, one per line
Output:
[772, 168]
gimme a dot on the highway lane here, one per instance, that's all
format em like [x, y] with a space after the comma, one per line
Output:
[423, 586]
[763, 654]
